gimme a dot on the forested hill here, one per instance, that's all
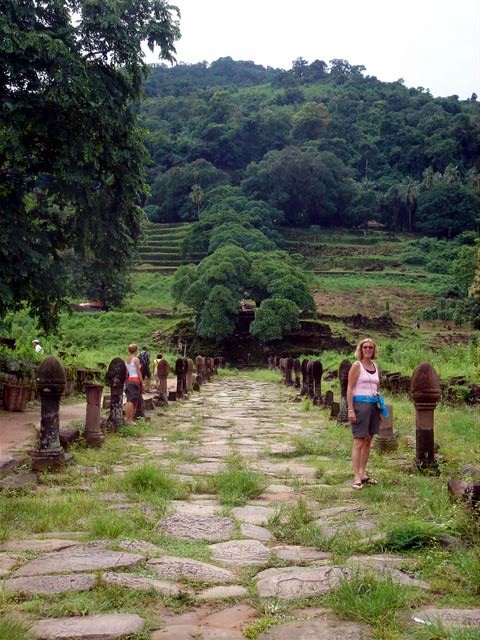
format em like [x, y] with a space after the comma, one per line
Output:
[322, 143]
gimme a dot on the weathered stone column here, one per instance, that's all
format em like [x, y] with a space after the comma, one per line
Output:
[328, 399]
[93, 433]
[208, 368]
[179, 374]
[276, 362]
[304, 390]
[116, 376]
[216, 364]
[51, 382]
[162, 373]
[343, 371]
[271, 361]
[317, 371]
[297, 368]
[200, 367]
[386, 439]
[425, 391]
[184, 377]
[189, 375]
[288, 371]
[311, 384]
[281, 366]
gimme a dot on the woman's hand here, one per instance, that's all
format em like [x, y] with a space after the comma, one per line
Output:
[352, 416]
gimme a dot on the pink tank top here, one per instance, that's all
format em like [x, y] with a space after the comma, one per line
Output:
[367, 383]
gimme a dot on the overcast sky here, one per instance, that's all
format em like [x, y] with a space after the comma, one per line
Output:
[434, 44]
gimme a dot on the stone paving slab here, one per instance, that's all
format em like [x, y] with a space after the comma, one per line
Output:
[44, 585]
[288, 583]
[7, 562]
[449, 618]
[255, 532]
[95, 627]
[183, 526]
[174, 568]
[50, 544]
[201, 508]
[143, 583]
[75, 559]
[202, 468]
[292, 553]
[196, 632]
[318, 630]
[223, 592]
[240, 552]
[253, 514]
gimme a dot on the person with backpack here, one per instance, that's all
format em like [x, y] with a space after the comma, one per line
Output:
[145, 368]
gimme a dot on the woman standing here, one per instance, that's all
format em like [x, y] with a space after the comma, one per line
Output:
[134, 383]
[364, 408]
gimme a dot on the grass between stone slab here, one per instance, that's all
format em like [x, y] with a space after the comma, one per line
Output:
[13, 629]
[236, 484]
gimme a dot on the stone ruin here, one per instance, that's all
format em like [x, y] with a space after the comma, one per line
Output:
[343, 371]
[116, 376]
[425, 391]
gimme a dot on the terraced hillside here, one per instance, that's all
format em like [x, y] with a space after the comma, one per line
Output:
[363, 272]
[160, 249]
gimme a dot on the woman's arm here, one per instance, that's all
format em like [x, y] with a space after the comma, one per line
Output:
[352, 379]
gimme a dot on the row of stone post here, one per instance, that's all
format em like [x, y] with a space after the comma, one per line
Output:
[51, 384]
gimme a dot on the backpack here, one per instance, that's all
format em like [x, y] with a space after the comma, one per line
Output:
[145, 364]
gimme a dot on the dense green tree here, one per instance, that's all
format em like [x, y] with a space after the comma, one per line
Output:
[274, 317]
[71, 154]
[447, 209]
[462, 269]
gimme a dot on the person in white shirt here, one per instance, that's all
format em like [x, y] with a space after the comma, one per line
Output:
[37, 346]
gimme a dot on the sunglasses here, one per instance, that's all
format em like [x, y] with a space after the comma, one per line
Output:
[367, 347]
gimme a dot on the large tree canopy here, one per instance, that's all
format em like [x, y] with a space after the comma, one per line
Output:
[71, 154]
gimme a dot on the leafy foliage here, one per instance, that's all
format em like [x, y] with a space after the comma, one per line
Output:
[71, 154]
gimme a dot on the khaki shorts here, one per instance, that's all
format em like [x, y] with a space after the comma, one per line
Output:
[368, 420]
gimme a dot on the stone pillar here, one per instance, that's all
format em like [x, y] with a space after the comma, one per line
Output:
[216, 364]
[276, 362]
[328, 400]
[271, 362]
[200, 367]
[426, 392]
[93, 433]
[317, 371]
[179, 374]
[184, 377]
[343, 371]
[208, 368]
[189, 375]
[297, 368]
[386, 439]
[304, 390]
[51, 382]
[281, 366]
[288, 372]
[116, 376]
[311, 384]
[162, 373]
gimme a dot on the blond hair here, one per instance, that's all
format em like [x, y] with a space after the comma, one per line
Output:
[358, 350]
[132, 348]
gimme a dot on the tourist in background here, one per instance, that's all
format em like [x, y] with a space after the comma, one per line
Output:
[145, 368]
[365, 405]
[134, 383]
[156, 362]
[37, 347]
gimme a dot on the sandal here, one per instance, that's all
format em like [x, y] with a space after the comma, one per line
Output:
[369, 480]
[357, 485]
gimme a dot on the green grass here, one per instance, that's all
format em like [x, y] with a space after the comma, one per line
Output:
[372, 600]
[13, 629]
[237, 484]
[152, 481]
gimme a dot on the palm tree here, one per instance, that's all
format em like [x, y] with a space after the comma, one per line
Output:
[408, 191]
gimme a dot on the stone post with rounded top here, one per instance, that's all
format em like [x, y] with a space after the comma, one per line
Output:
[425, 391]
[297, 369]
[93, 433]
[200, 368]
[288, 371]
[305, 383]
[162, 374]
[189, 375]
[179, 374]
[51, 383]
[317, 371]
[116, 376]
[343, 371]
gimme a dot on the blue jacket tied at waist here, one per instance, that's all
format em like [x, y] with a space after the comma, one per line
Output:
[378, 400]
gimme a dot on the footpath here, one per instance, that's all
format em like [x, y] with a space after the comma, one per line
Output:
[210, 569]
